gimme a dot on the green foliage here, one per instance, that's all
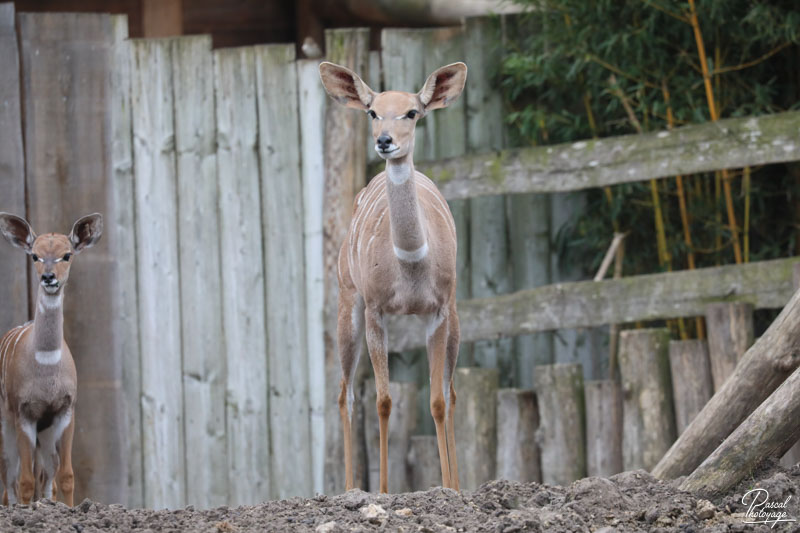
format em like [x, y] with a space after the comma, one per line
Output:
[572, 66]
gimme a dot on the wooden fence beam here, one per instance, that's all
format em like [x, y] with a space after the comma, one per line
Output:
[603, 427]
[731, 143]
[476, 425]
[765, 284]
[517, 422]
[730, 334]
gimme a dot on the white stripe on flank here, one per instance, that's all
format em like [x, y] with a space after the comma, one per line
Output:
[48, 358]
[411, 256]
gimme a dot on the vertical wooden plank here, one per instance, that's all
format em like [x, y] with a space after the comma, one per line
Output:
[244, 318]
[562, 422]
[66, 78]
[375, 82]
[648, 416]
[489, 253]
[282, 219]
[120, 230]
[423, 461]
[517, 422]
[692, 385]
[312, 104]
[345, 169]
[200, 278]
[13, 263]
[476, 426]
[603, 427]
[730, 334]
[158, 263]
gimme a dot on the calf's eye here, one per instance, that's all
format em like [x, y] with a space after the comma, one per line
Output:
[67, 257]
[411, 114]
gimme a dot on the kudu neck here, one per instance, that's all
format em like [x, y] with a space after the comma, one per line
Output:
[405, 215]
[48, 325]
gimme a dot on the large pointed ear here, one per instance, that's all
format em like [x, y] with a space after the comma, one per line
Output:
[443, 87]
[345, 86]
[86, 232]
[17, 231]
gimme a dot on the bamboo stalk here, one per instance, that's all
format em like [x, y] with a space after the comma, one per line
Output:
[737, 251]
[746, 224]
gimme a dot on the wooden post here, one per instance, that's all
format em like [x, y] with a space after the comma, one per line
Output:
[517, 422]
[562, 430]
[489, 267]
[282, 218]
[244, 313]
[603, 427]
[402, 425]
[66, 68]
[312, 105]
[730, 334]
[763, 368]
[13, 264]
[649, 420]
[120, 223]
[158, 269]
[200, 278]
[692, 385]
[345, 169]
[769, 431]
[476, 425]
[423, 462]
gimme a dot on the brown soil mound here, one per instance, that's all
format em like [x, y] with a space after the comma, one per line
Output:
[631, 501]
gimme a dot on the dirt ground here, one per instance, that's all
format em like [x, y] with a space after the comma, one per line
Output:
[631, 501]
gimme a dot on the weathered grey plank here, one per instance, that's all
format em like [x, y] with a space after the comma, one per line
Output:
[344, 167]
[765, 284]
[244, 319]
[121, 232]
[490, 274]
[67, 66]
[158, 273]
[282, 219]
[730, 143]
[312, 105]
[200, 278]
[13, 264]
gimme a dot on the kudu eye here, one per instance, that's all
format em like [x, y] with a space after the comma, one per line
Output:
[67, 257]
[411, 114]
[372, 114]
[35, 258]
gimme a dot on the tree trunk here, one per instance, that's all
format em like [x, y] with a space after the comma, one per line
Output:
[476, 425]
[763, 368]
[691, 379]
[769, 431]
[730, 334]
[562, 432]
[603, 428]
[649, 421]
[517, 422]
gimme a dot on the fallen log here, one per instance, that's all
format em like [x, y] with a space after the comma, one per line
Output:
[769, 431]
[763, 368]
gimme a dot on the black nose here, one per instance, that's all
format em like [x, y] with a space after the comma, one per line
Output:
[48, 277]
[384, 141]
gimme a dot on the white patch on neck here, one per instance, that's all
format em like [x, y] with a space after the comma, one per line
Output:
[411, 256]
[398, 174]
[51, 302]
[48, 358]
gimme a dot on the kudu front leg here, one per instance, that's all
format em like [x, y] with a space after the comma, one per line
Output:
[65, 479]
[437, 350]
[26, 446]
[377, 344]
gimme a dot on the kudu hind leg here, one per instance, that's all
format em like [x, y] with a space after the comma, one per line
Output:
[453, 340]
[65, 478]
[350, 334]
[377, 344]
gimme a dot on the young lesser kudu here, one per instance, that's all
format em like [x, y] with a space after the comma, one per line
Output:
[38, 383]
[399, 257]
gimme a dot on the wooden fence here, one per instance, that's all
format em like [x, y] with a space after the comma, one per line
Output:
[202, 325]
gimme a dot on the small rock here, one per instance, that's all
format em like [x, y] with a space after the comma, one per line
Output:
[705, 509]
[404, 512]
[372, 512]
[651, 515]
[607, 529]
[327, 527]
[78, 528]
[17, 520]
[85, 505]
[664, 521]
